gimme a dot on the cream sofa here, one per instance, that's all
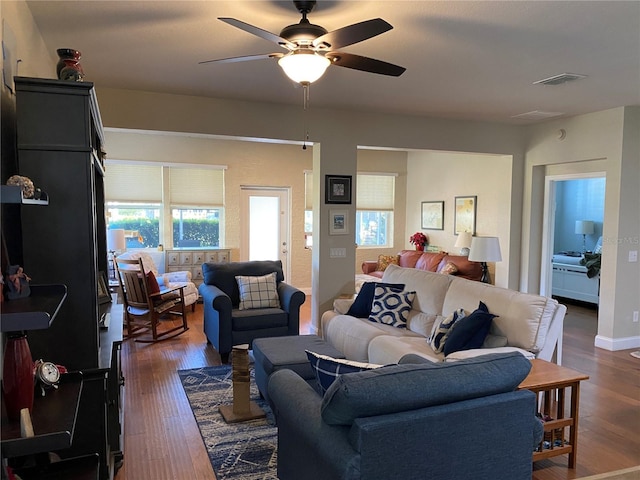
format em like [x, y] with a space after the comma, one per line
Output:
[528, 323]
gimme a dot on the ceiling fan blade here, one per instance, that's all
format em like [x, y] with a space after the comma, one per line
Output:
[244, 58]
[352, 34]
[259, 32]
[366, 64]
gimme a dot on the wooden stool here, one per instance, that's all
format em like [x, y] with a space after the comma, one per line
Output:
[242, 409]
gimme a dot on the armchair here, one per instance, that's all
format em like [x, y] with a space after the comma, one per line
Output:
[225, 325]
[167, 280]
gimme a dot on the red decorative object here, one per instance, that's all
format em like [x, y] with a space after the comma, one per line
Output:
[17, 376]
[68, 67]
[419, 239]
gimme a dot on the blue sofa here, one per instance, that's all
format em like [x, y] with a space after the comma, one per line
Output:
[225, 325]
[447, 421]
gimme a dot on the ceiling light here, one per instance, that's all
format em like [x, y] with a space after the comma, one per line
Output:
[304, 66]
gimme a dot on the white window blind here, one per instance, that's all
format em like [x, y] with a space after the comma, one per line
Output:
[375, 192]
[133, 183]
[203, 187]
[308, 190]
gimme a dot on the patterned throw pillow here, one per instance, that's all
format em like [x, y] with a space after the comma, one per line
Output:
[361, 306]
[449, 269]
[391, 307]
[441, 329]
[385, 260]
[258, 292]
[327, 369]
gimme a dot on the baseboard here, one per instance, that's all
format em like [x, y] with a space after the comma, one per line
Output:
[615, 344]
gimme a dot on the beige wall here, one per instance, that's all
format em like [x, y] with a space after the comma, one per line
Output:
[604, 142]
[610, 135]
[435, 176]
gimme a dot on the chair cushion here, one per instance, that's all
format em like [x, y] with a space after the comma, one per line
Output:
[258, 319]
[398, 388]
[152, 283]
[258, 292]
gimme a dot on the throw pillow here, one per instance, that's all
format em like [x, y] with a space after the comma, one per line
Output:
[385, 260]
[441, 329]
[327, 368]
[258, 292]
[449, 269]
[391, 306]
[152, 283]
[361, 306]
[470, 331]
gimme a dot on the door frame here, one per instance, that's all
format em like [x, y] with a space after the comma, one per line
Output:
[245, 192]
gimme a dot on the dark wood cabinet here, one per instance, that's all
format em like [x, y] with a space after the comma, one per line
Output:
[60, 144]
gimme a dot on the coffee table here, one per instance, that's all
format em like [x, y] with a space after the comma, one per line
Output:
[552, 381]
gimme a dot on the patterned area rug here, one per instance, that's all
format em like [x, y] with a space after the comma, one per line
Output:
[245, 450]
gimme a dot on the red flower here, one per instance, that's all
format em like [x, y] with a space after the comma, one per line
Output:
[419, 238]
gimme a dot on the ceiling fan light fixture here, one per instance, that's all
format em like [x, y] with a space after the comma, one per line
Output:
[304, 66]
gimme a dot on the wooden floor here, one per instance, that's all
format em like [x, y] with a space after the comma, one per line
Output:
[162, 441]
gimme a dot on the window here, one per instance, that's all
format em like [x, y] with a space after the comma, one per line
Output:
[375, 195]
[141, 198]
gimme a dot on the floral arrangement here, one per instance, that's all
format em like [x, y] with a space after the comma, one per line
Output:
[419, 239]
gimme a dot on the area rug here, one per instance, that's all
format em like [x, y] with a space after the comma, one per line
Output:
[245, 450]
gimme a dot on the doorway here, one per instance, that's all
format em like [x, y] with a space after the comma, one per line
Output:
[571, 200]
[265, 225]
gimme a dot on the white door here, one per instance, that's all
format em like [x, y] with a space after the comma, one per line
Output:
[265, 225]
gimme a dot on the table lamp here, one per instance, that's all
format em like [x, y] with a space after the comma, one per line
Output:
[584, 228]
[485, 249]
[116, 243]
[463, 242]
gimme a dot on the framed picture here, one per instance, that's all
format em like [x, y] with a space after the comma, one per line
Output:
[465, 215]
[337, 189]
[433, 215]
[103, 292]
[338, 222]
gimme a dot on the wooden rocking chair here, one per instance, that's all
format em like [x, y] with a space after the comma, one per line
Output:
[145, 303]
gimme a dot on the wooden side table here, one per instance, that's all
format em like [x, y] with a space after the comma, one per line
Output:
[552, 381]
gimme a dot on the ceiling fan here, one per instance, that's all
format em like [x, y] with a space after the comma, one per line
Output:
[311, 48]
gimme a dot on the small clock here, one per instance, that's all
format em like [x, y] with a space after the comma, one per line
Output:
[47, 375]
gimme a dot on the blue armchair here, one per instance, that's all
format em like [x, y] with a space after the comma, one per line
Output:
[225, 325]
[460, 420]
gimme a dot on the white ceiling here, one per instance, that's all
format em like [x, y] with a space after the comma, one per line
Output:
[472, 60]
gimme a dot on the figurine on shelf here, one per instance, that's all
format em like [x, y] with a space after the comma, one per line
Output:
[17, 283]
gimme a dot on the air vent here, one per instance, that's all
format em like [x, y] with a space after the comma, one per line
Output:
[560, 79]
[537, 115]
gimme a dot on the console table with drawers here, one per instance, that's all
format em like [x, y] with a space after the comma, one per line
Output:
[192, 259]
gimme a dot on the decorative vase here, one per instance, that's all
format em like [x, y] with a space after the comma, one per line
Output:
[420, 248]
[68, 67]
[17, 375]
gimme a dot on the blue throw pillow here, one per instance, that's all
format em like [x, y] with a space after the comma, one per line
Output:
[469, 332]
[361, 306]
[327, 369]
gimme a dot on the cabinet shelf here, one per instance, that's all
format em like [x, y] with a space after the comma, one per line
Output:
[53, 418]
[35, 312]
[78, 468]
[13, 194]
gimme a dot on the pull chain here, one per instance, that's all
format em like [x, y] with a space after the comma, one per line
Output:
[305, 92]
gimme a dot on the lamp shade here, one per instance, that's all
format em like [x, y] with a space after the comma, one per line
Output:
[115, 240]
[485, 249]
[463, 240]
[304, 66]
[584, 227]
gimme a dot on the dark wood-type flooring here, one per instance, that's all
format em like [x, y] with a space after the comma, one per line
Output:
[162, 441]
